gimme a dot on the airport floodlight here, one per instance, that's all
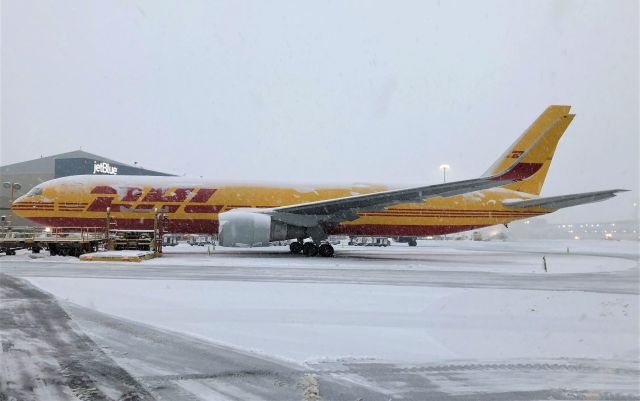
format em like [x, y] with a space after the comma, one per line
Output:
[15, 186]
[444, 168]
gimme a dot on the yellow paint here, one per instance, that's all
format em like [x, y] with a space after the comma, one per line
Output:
[452, 214]
[557, 115]
[480, 208]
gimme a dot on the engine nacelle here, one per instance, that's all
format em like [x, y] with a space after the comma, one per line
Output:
[244, 228]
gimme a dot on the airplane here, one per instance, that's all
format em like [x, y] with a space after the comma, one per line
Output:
[245, 215]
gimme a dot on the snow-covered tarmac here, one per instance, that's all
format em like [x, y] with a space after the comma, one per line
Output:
[445, 320]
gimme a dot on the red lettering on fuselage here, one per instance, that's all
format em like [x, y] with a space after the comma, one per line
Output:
[104, 190]
[203, 195]
[101, 203]
[171, 208]
[157, 195]
[132, 195]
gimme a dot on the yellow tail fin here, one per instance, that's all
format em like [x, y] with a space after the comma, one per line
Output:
[553, 122]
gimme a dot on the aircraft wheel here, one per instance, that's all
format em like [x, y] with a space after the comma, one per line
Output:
[295, 247]
[326, 250]
[309, 249]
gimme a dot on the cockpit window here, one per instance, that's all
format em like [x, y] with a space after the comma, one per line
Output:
[35, 191]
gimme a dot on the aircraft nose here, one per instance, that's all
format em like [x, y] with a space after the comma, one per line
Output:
[19, 205]
[21, 198]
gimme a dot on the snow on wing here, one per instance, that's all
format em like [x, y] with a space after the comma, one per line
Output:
[346, 209]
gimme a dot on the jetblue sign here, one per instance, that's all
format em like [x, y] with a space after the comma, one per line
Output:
[84, 166]
[104, 168]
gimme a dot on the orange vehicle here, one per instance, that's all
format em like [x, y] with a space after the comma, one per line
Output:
[254, 215]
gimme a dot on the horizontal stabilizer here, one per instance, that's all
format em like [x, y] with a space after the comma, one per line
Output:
[559, 202]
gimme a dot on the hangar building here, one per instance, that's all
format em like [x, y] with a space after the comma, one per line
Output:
[30, 173]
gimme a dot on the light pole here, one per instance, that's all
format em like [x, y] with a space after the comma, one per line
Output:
[15, 186]
[444, 168]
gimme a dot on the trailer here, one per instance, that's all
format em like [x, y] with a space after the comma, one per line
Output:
[75, 241]
[141, 240]
[12, 240]
[200, 240]
[369, 241]
[65, 241]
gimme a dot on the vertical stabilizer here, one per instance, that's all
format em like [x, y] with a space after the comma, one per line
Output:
[553, 122]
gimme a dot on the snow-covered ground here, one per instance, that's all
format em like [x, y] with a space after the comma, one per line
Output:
[302, 322]
[562, 257]
[308, 321]
[501, 257]
[463, 315]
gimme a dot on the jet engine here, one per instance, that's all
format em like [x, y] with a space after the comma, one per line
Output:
[244, 228]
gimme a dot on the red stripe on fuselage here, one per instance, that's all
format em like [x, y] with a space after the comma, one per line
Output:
[393, 230]
[210, 226]
[171, 208]
[203, 208]
[182, 226]
[452, 216]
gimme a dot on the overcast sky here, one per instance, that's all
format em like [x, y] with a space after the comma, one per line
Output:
[330, 91]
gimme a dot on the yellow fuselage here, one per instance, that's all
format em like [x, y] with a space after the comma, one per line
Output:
[193, 206]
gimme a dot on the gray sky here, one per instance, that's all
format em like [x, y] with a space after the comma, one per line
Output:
[330, 91]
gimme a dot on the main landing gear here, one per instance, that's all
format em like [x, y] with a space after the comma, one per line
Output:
[311, 249]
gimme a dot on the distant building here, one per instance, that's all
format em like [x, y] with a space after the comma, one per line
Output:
[33, 172]
[540, 228]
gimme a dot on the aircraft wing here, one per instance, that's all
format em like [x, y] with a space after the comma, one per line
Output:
[346, 209]
[559, 202]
